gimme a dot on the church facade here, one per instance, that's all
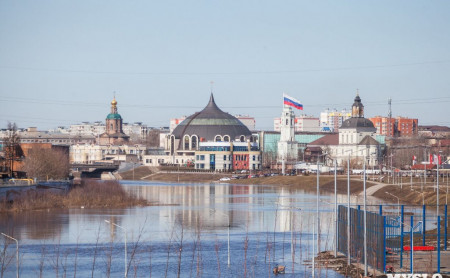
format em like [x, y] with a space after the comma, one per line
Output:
[356, 140]
[114, 134]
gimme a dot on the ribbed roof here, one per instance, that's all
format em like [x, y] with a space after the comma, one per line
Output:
[113, 116]
[362, 124]
[368, 140]
[209, 122]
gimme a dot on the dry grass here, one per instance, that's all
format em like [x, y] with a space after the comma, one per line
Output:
[90, 194]
[408, 196]
[309, 182]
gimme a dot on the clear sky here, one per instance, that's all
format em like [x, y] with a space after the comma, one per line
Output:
[61, 61]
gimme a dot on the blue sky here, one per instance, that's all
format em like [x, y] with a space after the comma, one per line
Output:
[61, 61]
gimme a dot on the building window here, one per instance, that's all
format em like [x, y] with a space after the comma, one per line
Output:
[254, 157]
[224, 157]
[194, 142]
[226, 138]
[242, 138]
[186, 142]
[218, 138]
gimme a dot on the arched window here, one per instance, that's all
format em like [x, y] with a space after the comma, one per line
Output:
[226, 138]
[242, 138]
[172, 144]
[186, 142]
[218, 138]
[194, 142]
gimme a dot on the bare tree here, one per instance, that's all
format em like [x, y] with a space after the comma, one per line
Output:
[153, 138]
[47, 163]
[11, 147]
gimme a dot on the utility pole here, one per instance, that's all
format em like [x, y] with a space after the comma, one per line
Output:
[390, 117]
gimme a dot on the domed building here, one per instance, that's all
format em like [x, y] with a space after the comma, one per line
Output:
[210, 140]
[114, 134]
[356, 139]
[209, 125]
[356, 128]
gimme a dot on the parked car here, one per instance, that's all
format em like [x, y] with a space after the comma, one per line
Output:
[225, 179]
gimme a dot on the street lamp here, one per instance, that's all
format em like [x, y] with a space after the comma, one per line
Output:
[365, 221]
[228, 217]
[365, 217]
[437, 184]
[17, 252]
[335, 209]
[125, 230]
[317, 202]
[412, 242]
[423, 197]
[348, 207]
[398, 201]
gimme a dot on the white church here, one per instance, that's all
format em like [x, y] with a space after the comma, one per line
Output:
[356, 139]
[287, 146]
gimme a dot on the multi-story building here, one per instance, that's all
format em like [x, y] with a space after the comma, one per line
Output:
[331, 120]
[407, 127]
[301, 123]
[175, 122]
[383, 126]
[90, 153]
[228, 156]
[399, 126]
[248, 121]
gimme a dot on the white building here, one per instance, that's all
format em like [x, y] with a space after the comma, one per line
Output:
[248, 121]
[356, 139]
[228, 156]
[287, 146]
[331, 120]
[301, 123]
[175, 122]
[92, 153]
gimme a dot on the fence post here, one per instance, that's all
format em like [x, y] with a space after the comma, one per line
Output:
[424, 211]
[445, 226]
[384, 244]
[438, 244]
[411, 255]
[401, 235]
[381, 209]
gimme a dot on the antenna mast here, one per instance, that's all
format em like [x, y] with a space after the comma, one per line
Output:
[390, 117]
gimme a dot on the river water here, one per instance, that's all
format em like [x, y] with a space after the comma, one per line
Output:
[186, 233]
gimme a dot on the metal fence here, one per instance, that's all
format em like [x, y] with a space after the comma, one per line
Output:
[375, 236]
[392, 231]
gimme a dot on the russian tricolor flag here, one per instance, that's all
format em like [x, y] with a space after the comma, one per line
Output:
[290, 101]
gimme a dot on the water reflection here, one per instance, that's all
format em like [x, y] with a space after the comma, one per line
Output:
[260, 217]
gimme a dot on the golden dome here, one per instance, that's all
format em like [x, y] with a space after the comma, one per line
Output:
[114, 102]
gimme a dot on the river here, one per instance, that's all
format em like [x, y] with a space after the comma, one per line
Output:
[186, 233]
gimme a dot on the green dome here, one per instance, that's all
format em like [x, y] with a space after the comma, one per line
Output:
[112, 116]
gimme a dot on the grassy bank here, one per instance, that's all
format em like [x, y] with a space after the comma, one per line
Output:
[415, 196]
[90, 194]
[326, 183]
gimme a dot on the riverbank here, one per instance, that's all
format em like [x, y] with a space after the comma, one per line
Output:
[374, 188]
[89, 194]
